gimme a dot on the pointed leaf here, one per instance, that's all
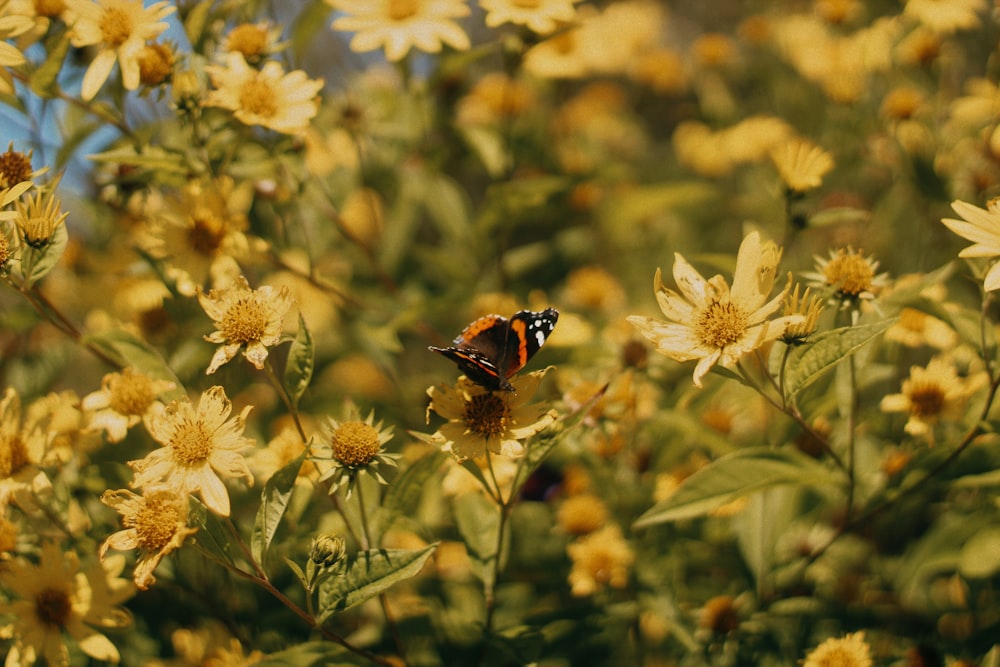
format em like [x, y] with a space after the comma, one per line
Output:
[43, 80]
[301, 362]
[406, 489]
[807, 363]
[273, 503]
[980, 556]
[212, 536]
[312, 654]
[737, 475]
[478, 520]
[37, 262]
[371, 573]
[297, 571]
[131, 351]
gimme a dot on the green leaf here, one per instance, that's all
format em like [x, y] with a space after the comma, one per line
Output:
[153, 158]
[734, 476]
[313, 654]
[212, 535]
[301, 363]
[37, 262]
[133, 352]
[807, 363]
[980, 556]
[195, 20]
[297, 571]
[406, 489]
[990, 478]
[43, 80]
[371, 573]
[478, 520]
[273, 503]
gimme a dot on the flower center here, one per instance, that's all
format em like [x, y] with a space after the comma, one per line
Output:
[721, 324]
[527, 4]
[156, 62]
[131, 394]
[49, 8]
[927, 399]
[850, 273]
[245, 321]
[913, 320]
[191, 442]
[13, 456]
[156, 522]
[257, 98]
[116, 26]
[486, 415]
[5, 253]
[248, 39]
[53, 606]
[355, 443]
[400, 10]
[15, 167]
[840, 657]
[206, 234]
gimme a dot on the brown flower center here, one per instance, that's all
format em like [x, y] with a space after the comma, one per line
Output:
[248, 39]
[927, 399]
[131, 393]
[355, 443]
[722, 324]
[156, 63]
[400, 10]
[850, 273]
[257, 98]
[116, 26]
[191, 442]
[13, 455]
[156, 521]
[206, 233]
[53, 607]
[49, 8]
[245, 321]
[15, 167]
[486, 415]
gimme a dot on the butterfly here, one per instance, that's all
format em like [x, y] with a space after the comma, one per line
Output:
[492, 349]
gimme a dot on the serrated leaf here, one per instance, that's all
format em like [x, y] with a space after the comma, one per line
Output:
[273, 503]
[371, 573]
[734, 476]
[212, 535]
[980, 555]
[404, 493]
[37, 262]
[807, 363]
[133, 352]
[301, 363]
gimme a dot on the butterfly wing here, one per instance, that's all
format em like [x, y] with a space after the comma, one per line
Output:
[479, 351]
[528, 331]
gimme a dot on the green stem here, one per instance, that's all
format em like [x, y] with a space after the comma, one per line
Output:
[285, 398]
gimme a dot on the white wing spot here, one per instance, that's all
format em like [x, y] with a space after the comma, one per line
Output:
[540, 337]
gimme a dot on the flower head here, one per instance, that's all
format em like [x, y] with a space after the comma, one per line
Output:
[801, 164]
[354, 447]
[155, 523]
[22, 446]
[267, 97]
[946, 16]
[156, 63]
[481, 420]
[199, 447]
[39, 219]
[245, 319]
[119, 29]
[982, 227]
[124, 400]
[848, 651]
[399, 25]
[540, 16]
[849, 275]
[809, 306]
[254, 40]
[54, 598]
[713, 323]
[931, 394]
[602, 558]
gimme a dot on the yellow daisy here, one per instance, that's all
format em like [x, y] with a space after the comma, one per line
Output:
[354, 447]
[200, 446]
[399, 25]
[155, 524]
[712, 323]
[480, 419]
[54, 598]
[602, 558]
[119, 29]
[946, 16]
[22, 446]
[801, 164]
[848, 651]
[245, 319]
[267, 97]
[540, 16]
[931, 394]
[15, 24]
[849, 275]
[982, 227]
[124, 400]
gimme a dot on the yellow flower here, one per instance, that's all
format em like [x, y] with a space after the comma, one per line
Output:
[481, 420]
[712, 323]
[540, 16]
[354, 447]
[581, 514]
[124, 400]
[53, 598]
[399, 25]
[602, 558]
[849, 274]
[200, 446]
[39, 219]
[848, 651]
[809, 307]
[915, 328]
[801, 164]
[155, 524]
[946, 16]
[22, 446]
[119, 29]
[254, 40]
[267, 97]
[245, 319]
[982, 227]
[932, 394]
[716, 152]
[15, 24]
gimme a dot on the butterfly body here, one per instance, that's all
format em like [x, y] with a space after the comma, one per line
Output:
[493, 348]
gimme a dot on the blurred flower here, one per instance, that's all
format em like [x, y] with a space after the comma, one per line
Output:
[902, 102]
[14, 25]
[155, 523]
[267, 97]
[711, 323]
[32, 20]
[53, 598]
[247, 320]
[199, 446]
[946, 16]
[849, 274]
[594, 287]
[714, 50]
[932, 394]
[801, 164]
[399, 25]
[581, 514]
[838, 12]
[848, 651]
[602, 558]
[22, 446]
[915, 328]
[716, 152]
[982, 227]
[354, 447]
[661, 69]
[494, 97]
[124, 400]
[540, 16]
[281, 450]
[156, 63]
[119, 29]
[254, 40]
[720, 615]
[480, 419]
